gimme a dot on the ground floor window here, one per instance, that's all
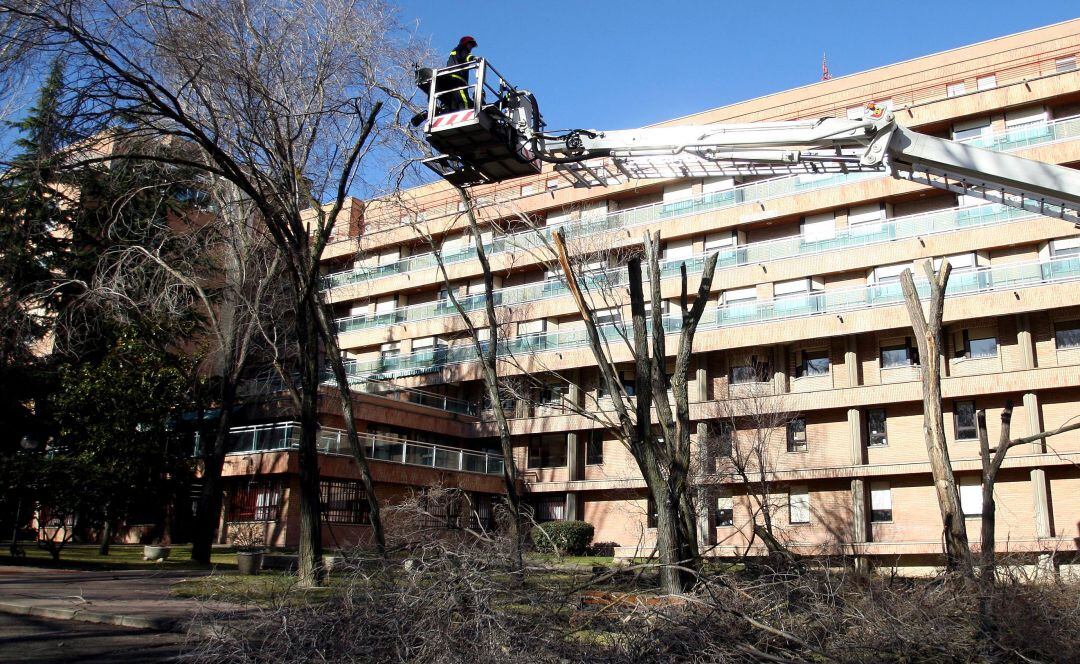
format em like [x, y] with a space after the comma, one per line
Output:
[344, 501]
[256, 500]
[880, 502]
[549, 508]
[725, 508]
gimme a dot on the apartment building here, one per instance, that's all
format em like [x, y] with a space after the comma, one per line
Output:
[805, 320]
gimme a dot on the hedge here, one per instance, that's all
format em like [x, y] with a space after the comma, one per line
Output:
[568, 537]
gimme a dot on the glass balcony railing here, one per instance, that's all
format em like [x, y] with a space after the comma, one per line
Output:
[863, 234]
[1015, 138]
[286, 435]
[1019, 275]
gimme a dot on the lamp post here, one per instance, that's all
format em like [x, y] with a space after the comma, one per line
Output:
[28, 445]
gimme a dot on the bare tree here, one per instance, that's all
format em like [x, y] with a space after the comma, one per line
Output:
[485, 345]
[221, 263]
[285, 112]
[992, 459]
[664, 459]
[738, 450]
[928, 335]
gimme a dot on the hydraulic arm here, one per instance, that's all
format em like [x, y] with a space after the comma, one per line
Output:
[502, 136]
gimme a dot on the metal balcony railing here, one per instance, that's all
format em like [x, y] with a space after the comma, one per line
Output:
[966, 282]
[1041, 133]
[864, 234]
[286, 436]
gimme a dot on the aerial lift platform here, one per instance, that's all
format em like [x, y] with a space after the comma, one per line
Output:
[488, 138]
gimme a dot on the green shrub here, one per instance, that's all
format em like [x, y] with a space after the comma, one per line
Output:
[565, 537]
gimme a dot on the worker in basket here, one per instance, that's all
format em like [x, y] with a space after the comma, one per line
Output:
[459, 100]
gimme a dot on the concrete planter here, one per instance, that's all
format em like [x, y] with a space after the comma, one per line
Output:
[249, 562]
[155, 552]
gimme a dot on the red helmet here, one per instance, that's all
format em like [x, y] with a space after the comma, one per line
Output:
[467, 40]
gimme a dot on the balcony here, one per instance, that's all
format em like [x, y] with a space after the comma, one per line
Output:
[1008, 140]
[861, 235]
[801, 305]
[281, 436]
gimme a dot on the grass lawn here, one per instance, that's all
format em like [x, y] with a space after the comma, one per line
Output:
[121, 556]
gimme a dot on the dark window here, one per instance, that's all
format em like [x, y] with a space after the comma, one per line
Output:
[594, 448]
[257, 500]
[876, 435]
[986, 347]
[343, 501]
[755, 372]
[551, 395]
[814, 363]
[549, 508]
[547, 451]
[904, 355]
[964, 417]
[718, 443]
[965, 346]
[796, 435]
[725, 509]
[1067, 335]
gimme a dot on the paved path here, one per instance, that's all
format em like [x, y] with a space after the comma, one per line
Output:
[130, 598]
[44, 641]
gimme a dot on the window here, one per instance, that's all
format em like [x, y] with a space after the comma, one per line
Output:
[547, 451]
[594, 448]
[966, 347]
[954, 89]
[725, 508]
[611, 316]
[725, 435]
[551, 395]
[890, 274]
[343, 501]
[971, 129]
[622, 376]
[1067, 334]
[754, 372]
[865, 214]
[880, 502]
[964, 420]
[257, 500]
[986, 347]
[798, 504]
[549, 508]
[1065, 247]
[796, 435]
[813, 363]
[876, 434]
[970, 496]
[389, 352]
[1062, 65]
[987, 82]
[904, 355]
[819, 227]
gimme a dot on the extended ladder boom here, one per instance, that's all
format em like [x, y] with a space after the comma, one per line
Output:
[501, 136]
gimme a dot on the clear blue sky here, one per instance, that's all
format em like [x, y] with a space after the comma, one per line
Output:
[615, 64]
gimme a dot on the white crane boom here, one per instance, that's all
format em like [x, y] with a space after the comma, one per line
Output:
[499, 135]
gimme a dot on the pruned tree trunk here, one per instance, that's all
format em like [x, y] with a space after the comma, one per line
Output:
[992, 460]
[929, 338]
[488, 356]
[310, 568]
[664, 462]
[356, 448]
